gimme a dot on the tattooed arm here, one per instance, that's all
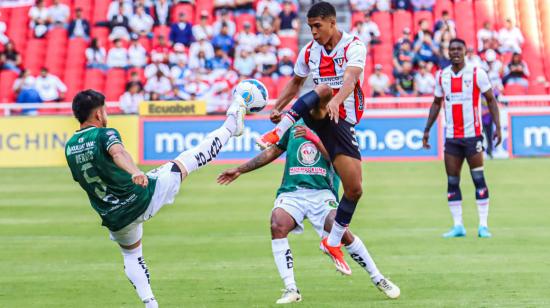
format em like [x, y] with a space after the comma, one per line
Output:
[262, 159]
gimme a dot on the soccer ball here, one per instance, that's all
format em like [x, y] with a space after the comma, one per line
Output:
[254, 94]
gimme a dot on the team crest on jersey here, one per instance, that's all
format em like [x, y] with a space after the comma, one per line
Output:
[308, 155]
[339, 61]
[468, 83]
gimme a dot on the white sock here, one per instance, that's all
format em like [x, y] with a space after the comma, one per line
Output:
[151, 303]
[483, 211]
[284, 261]
[335, 235]
[360, 254]
[286, 123]
[136, 270]
[456, 212]
[209, 148]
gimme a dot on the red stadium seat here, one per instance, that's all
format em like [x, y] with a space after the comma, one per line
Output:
[465, 27]
[100, 11]
[146, 43]
[289, 42]
[115, 82]
[185, 8]
[281, 84]
[401, 20]
[384, 22]
[94, 79]
[537, 89]
[514, 89]
[239, 22]
[6, 86]
[357, 16]
[204, 6]
[443, 5]
[484, 11]
[270, 85]
[418, 16]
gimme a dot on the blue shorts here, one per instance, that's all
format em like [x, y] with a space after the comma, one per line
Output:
[464, 147]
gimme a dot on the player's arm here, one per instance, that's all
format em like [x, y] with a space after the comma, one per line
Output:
[495, 114]
[262, 159]
[303, 131]
[434, 110]
[124, 161]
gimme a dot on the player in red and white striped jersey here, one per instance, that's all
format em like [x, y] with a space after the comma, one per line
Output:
[461, 87]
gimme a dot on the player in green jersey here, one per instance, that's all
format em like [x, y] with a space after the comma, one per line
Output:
[309, 190]
[122, 195]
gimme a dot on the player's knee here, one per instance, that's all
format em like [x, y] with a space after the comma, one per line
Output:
[453, 188]
[482, 192]
[324, 91]
[278, 230]
[354, 193]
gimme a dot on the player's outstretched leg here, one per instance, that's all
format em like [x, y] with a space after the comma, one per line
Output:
[453, 165]
[482, 200]
[303, 105]
[211, 146]
[138, 274]
[281, 224]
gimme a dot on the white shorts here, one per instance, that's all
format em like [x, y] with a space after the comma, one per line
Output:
[312, 204]
[167, 187]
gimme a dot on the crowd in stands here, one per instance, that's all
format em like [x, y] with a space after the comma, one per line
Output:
[168, 54]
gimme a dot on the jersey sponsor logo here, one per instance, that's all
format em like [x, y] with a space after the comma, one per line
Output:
[215, 148]
[289, 259]
[334, 82]
[308, 155]
[79, 148]
[307, 171]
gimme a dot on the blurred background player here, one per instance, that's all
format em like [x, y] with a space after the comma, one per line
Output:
[119, 191]
[461, 86]
[336, 61]
[309, 190]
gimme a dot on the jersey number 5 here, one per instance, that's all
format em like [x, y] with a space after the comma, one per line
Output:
[100, 187]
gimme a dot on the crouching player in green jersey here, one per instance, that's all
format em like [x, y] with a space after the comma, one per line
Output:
[122, 195]
[309, 190]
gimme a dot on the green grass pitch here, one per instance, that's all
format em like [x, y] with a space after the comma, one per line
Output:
[212, 247]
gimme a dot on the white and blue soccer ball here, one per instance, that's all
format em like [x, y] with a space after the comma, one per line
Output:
[254, 94]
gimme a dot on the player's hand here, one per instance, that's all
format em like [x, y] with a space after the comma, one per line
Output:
[497, 136]
[228, 176]
[425, 140]
[140, 179]
[333, 109]
[303, 131]
[275, 116]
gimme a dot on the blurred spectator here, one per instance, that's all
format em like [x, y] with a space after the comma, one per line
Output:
[494, 69]
[244, 7]
[404, 82]
[38, 15]
[225, 18]
[423, 5]
[423, 27]
[516, 72]
[446, 20]
[79, 27]
[288, 23]
[365, 6]
[198, 63]
[59, 14]
[96, 55]
[426, 51]
[273, 7]
[50, 87]
[177, 55]
[224, 41]
[405, 37]
[267, 37]
[119, 26]
[203, 28]
[245, 64]
[510, 38]
[379, 82]
[443, 60]
[10, 59]
[203, 45]
[357, 30]
[472, 58]
[161, 8]
[246, 39]
[372, 29]
[443, 36]
[162, 48]
[155, 66]
[130, 100]
[25, 91]
[383, 5]
[180, 75]
[181, 32]
[134, 80]
[286, 65]
[401, 5]
[141, 23]
[158, 87]
[266, 61]
[220, 61]
[404, 54]
[223, 5]
[485, 35]
[117, 57]
[424, 81]
[3, 38]
[114, 8]
[137, 54]
[265, 20]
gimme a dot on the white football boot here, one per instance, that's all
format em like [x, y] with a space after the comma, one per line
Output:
[290, 296]
[388, 288]
[237, 109]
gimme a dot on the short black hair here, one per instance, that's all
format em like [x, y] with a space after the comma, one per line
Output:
[321, 9]
[457, 40]
[85, 102]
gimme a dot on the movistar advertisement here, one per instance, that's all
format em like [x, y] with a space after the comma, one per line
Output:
[530, 134]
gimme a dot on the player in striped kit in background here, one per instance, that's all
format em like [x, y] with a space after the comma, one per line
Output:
[461, 87]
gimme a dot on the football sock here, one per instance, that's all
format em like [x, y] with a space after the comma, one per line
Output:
[301, 107]
[454, 197]
[151, 303]
[284, 261]
[482, 195]
[360, 254]
[208, 149]
[336, 233]
[137, 272]
[344, 213]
